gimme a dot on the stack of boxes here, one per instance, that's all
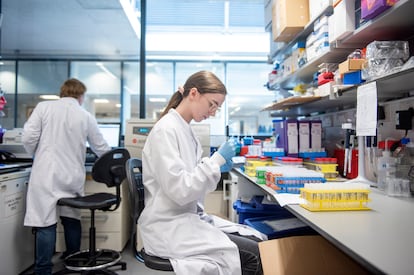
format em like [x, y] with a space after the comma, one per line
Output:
[350, 70]
[289, 17]
[317, 43]
[298, 136]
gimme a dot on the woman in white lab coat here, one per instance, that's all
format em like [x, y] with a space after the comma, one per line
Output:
[176, 178]
[56, 134]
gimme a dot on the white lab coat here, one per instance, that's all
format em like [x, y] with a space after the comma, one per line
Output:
[175, 178]
[56, 134]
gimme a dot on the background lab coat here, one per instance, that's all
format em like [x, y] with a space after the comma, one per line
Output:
[56, 134]
[175, 178]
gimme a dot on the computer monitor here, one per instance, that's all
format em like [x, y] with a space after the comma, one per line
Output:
[111, 133]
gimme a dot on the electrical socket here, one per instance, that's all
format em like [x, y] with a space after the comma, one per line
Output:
[404, 119]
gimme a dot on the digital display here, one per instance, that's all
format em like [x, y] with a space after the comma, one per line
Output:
[138, 130]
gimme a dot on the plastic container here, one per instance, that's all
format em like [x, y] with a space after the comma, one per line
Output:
[405, 162]
[335, 196]
[280, 226]
[256, 209]
[386, 167]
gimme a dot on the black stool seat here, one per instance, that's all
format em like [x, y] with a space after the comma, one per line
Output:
[155, 262]
[98, 201]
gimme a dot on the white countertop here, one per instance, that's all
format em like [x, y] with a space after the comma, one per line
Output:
[382, 239]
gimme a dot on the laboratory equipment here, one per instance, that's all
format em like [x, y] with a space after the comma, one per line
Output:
[386, 168]
[335, 196]
[13, 136]
[136, 132]
[16, 240]
[111, 133]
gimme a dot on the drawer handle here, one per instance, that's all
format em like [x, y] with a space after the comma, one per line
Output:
[99, 218]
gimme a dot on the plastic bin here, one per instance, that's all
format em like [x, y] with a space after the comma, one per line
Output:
[280, 226]
[255, 209]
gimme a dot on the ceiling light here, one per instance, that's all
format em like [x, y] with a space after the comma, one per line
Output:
[101, 100]
[103, 68]
[49, 97]
[118, 105]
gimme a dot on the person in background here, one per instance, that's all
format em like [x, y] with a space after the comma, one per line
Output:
[56, 134]
[173, 224]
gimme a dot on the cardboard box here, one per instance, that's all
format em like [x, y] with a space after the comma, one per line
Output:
[307, 255]
[289, 18]
[351, 65]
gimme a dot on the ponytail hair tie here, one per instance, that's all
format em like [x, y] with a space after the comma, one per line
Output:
[181, 90]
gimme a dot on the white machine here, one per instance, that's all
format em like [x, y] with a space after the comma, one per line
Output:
[16, 241]
[12, 143]
[137, 130]
[136, 133]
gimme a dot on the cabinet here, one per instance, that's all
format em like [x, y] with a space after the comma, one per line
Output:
[112, 227]
[397, 23]
[16, 240]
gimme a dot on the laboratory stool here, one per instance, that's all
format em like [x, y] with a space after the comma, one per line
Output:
[110, 170]
[137, 200]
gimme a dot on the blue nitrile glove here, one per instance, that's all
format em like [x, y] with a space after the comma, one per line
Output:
[227, 150]
[226, 167]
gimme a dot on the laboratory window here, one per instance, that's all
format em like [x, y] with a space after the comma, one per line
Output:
[159, 87]
[247, 97]
[8, 90]
[37, 81]
[103, 82]
[130, 90]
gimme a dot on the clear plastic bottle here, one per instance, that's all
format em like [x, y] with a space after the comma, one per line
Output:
[405, 162]
[386, 169]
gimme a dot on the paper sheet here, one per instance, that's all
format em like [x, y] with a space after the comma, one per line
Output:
[366, 120]
[286, 198]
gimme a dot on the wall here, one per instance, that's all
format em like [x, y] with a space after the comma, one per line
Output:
[333, 135]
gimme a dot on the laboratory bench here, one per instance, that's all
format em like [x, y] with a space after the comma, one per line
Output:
[381, 239]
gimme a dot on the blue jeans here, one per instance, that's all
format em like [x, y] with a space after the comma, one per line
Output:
[73, 231]
[46, 239]
[45, 247]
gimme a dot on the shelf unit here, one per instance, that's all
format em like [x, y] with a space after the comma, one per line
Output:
[394, 24]
[393, 86]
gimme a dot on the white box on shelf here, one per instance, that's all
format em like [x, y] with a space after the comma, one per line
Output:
[342, 21]
[325, 89]
[316, 7]
[304, 135]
